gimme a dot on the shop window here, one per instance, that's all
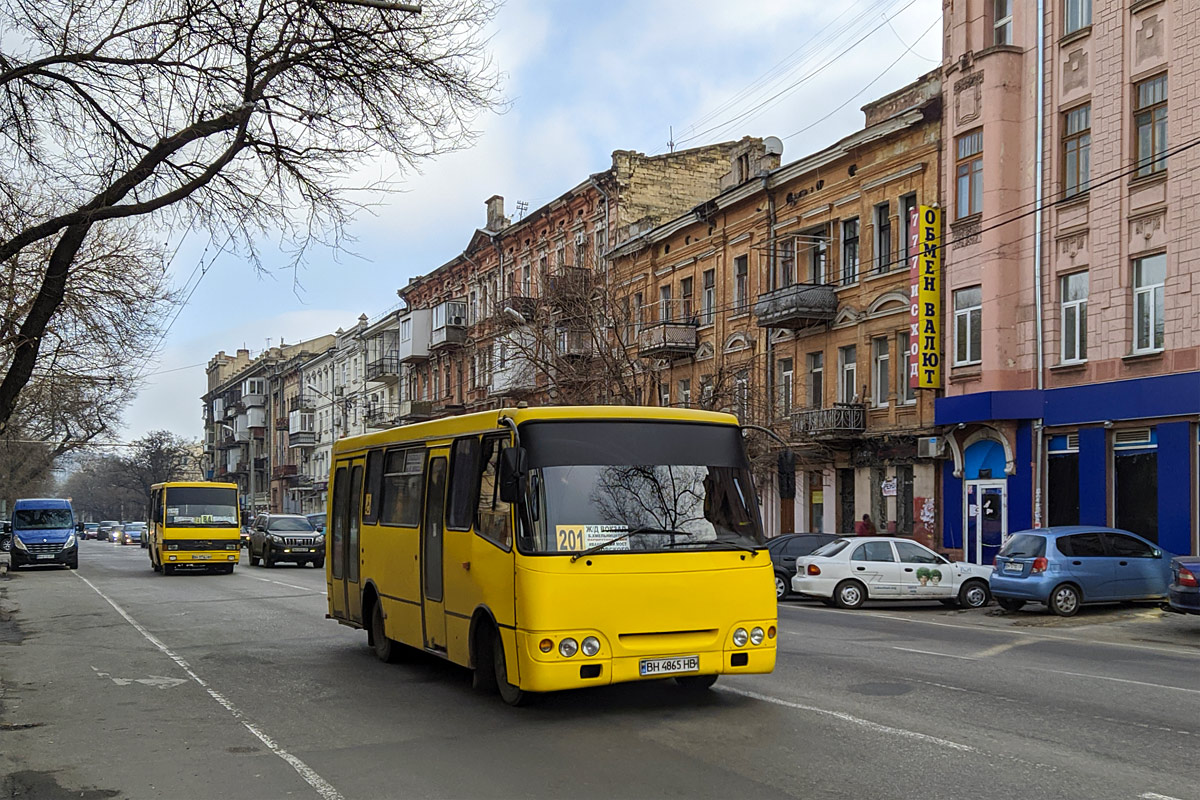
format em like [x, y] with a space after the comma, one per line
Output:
[1062, 483]
[1135, 492]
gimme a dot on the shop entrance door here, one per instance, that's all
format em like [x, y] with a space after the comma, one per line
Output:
[986, 521]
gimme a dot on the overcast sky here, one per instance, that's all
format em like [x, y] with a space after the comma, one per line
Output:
[582, 79]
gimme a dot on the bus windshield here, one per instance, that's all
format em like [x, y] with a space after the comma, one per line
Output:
[201, 506]
[644, 486]
[42, 519]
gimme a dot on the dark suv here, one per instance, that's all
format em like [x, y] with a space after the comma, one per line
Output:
[285, 537]
[786, 549]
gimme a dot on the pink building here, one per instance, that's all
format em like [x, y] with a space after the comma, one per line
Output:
[1071, 356]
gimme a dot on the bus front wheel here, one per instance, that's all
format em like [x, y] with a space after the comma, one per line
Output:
[696, 683]
[386, 650]
[508, 693]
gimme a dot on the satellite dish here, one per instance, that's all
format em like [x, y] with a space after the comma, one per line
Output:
[773, 146]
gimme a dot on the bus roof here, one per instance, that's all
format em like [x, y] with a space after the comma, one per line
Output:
[41, 502]
[210, 484]
[460, 424]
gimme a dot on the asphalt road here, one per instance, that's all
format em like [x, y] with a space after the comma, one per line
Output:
[118, 682]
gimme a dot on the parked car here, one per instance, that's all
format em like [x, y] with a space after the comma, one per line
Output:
[317, 521]
[285, 537]
[1070, 566]
[851, 570]
[1183, 592]
[131, 533]
[786, 549]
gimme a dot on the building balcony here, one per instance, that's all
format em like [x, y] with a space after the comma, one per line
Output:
[227, 442]
[281, 423]
[414, 410]
[843, 420]
[522, 304]
[668, 340]
[448, 325]
[384, 370]
[381, 415]
[573, 343]
[302, 438]
[447, 336]
[240, 468]
[302, 402]
[800, 305]
[254, 400]
[568, 283]
[284, 471]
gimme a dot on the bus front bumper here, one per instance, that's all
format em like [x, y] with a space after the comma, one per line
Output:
[549, 674]
[201, 559]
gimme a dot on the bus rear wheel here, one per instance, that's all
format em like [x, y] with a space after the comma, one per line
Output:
[508, 693]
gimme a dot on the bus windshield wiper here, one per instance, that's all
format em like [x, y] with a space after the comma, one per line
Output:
[752, 551]
[631, 532]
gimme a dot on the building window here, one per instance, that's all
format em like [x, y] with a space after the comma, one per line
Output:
[664, 304]
[1077, 146]
[1078, 14]
[1148, 276]
[816, 380]
[969, 174]
[710, 296]
[1150, 125]
[1074, 291]
[819, 241]
[849, 252]
[883, 237]
[787, 262]
[847, 374]
[685, 299]
[1002, 21]
[905, 392]
[879, 371]
[908, 204]
[636, 311]
[968, 314]
[784, 384]
[740, 282]
[741, 396]
[685, 392]
[664, 394]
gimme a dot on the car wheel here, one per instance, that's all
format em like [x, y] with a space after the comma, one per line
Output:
[319, 564]
[1064, 600]
[266, 558]
[73, 563]
[508, 693]
[974, 594]
[1010, 603]
[253, 558]
[781, 586]
[849, 594]
[695, 683]
[386, 650]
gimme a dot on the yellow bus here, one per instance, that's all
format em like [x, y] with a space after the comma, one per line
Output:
[555, 548]
[194, 524]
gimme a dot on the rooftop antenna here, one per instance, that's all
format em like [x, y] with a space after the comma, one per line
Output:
[522, 207]
[671, 138]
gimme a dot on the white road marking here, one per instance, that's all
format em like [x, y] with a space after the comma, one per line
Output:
[1004, 631]
[931, 653]
[161, 681]
[310, 776]
[1156, 796]
[863, 723]
[289, 585]
[1115, 680]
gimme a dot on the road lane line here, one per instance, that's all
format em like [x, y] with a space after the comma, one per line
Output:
[931, 653]
[310, 776]
[1015, 632]
[1156, 796]
[1116, 680]
[863, 723]
[289, 585]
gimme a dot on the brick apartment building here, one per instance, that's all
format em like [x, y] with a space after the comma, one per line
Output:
[785, 299]
[1073, 388]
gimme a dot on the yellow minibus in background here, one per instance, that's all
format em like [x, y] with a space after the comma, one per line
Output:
[194, 524]
[555, 548]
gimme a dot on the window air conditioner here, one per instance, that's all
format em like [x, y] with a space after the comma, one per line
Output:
[457, 322]
[930, 447]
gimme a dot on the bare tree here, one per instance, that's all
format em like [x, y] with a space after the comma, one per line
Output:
[239, 118]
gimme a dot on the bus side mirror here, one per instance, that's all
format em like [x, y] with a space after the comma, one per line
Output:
[513, 466]
[79, 527]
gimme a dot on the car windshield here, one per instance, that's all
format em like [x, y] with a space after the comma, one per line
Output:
[91, 526]
[1024, 545]
[650, 486]
[832, 548]
[201, 506]
[289, 524]
[42, 519]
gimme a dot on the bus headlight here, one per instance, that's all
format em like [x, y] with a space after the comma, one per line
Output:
[19, 544]
[568, 647]
[70, 542]
[591, 646]
[756, 636]
[740, 637]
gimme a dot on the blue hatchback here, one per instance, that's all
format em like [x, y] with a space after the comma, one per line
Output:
[1069, 566]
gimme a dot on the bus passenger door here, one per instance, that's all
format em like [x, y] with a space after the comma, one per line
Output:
[432, 542]
[342, 543]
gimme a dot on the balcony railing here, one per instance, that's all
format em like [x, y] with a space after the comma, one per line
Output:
[413, 410]
[384, 370]
[569, 282]
[281, 423]
[284, 470]
[302, 402]
[381, 415]
[667, 340]
[522, 304]
[800, 305]
[842, 420]
[573, 343]
[302, 438]
[447, 336]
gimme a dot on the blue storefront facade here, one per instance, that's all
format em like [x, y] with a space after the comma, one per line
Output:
[1121, 453]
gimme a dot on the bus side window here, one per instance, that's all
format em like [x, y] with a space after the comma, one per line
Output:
[372, 490]
[341, 492]
[493, 519]
[403, 482]
[464, 484]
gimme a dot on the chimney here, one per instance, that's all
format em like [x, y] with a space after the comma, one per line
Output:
[495, 212]
[243, 353]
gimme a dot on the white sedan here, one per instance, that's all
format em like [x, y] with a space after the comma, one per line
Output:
[848, 571]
